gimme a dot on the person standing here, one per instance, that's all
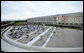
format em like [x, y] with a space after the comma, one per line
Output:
[27, 36]
[43, 29]
[44, 42]
[54, 32]
[41, 37]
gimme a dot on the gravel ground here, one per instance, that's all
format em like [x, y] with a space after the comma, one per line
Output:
[26, 40]
[31, 34]
[62, 38]
[44, 38]
[66, 38]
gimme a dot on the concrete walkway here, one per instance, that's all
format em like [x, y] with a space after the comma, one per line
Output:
[6, 47]
[37, 38]
[48, 39]
[5, 30]
[5, 34]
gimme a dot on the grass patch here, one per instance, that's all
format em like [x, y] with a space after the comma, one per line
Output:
[18, 23]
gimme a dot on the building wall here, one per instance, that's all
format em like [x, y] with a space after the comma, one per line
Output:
[70, 19]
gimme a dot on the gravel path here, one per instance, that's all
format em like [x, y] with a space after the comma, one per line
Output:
[44, 38]
[66, 38]
[26, 40]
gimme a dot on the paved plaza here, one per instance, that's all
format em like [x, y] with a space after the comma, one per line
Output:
[61, 37]
[46, 36]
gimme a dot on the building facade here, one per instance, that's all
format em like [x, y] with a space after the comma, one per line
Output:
[70, 19]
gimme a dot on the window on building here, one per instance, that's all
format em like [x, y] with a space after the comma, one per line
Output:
[70, 23]
[59, 23]
[76, 24]
[62, 23]
[81, 23]
[66, 23]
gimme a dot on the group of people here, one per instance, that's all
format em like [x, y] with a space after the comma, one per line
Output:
[19, 31]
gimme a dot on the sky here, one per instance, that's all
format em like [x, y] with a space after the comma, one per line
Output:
[21, 10]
